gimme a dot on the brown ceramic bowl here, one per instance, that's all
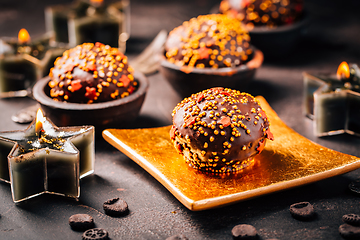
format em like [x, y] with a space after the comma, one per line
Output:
[280, 41]
[187, 82]
[101, 115]
[277, 42]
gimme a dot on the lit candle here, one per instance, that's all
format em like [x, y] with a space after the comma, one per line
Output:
[39, 122]
[23, 61]
[91, 21]
[46, 159]
[333, 101]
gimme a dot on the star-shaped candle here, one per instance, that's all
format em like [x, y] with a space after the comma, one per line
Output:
[333, 101]
[45, 158]
[23, 61]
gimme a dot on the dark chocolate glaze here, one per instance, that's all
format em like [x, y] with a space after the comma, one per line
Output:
[263, 12]
[91, 73]
[214, 41]
[219, 130]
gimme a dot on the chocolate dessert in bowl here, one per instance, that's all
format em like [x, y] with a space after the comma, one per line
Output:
[91, 84]
[275, 26]
[209, 51]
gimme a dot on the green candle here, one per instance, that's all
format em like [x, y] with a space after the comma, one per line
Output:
[23, 62]
[90, 21]
[47, 159]
[334, 102]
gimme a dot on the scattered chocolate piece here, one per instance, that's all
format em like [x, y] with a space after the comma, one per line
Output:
[81, 222]
[115, 207]
[354, 186]
[302, 211]
[352, 219]
[349, 232]
[95, 234]
[177, 237]
[244, 231]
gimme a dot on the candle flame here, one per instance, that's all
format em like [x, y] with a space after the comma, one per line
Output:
[97, 1]
[343, 71]
[23, 36]
[40, 119]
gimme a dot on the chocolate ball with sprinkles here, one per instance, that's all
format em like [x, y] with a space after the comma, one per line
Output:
[219, 130]
[269, 13]
[91, 73]
[209, 41]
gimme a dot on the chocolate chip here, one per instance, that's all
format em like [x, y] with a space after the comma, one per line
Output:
[116, 207]
[349, 232]
[354, 186]
[177, 237]
[95, 234]
[81, 222]
[302, 211]
[352, 219]
[244, 231]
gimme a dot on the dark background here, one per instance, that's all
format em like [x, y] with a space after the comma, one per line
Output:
[333, 36]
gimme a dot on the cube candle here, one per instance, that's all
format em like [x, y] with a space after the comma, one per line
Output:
[90, 21]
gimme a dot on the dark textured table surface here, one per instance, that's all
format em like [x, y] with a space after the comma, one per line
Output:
[333, 36]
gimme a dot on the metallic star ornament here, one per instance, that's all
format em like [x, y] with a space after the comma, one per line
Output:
[45, 158]
[333, 101]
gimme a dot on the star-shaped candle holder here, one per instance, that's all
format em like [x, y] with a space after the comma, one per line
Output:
[23, 62]
[45, 158]
[333, 101]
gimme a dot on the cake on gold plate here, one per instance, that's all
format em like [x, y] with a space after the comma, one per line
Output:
[219, 130]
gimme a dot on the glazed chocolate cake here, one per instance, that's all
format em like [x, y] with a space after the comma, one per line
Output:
[219, 130]
[209, 41]
[270, 13]
[91, 73]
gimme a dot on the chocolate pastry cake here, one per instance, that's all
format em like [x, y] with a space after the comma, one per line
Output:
[91, 73]
[219, 130]
[270, 13]
[209, 41]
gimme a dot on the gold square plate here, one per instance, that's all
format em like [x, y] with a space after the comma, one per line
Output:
[290, 160]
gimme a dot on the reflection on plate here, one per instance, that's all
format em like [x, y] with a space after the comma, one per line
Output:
[289, 161]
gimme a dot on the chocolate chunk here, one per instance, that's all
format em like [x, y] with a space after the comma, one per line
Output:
[95, 234]
[302, 211]
[116, 207]
[177, 237]
[352, 219]
[354, 186]
[244, 231]
[81, 222]
[349, 232]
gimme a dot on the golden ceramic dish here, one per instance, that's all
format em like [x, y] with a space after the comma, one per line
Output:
[290, 160]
